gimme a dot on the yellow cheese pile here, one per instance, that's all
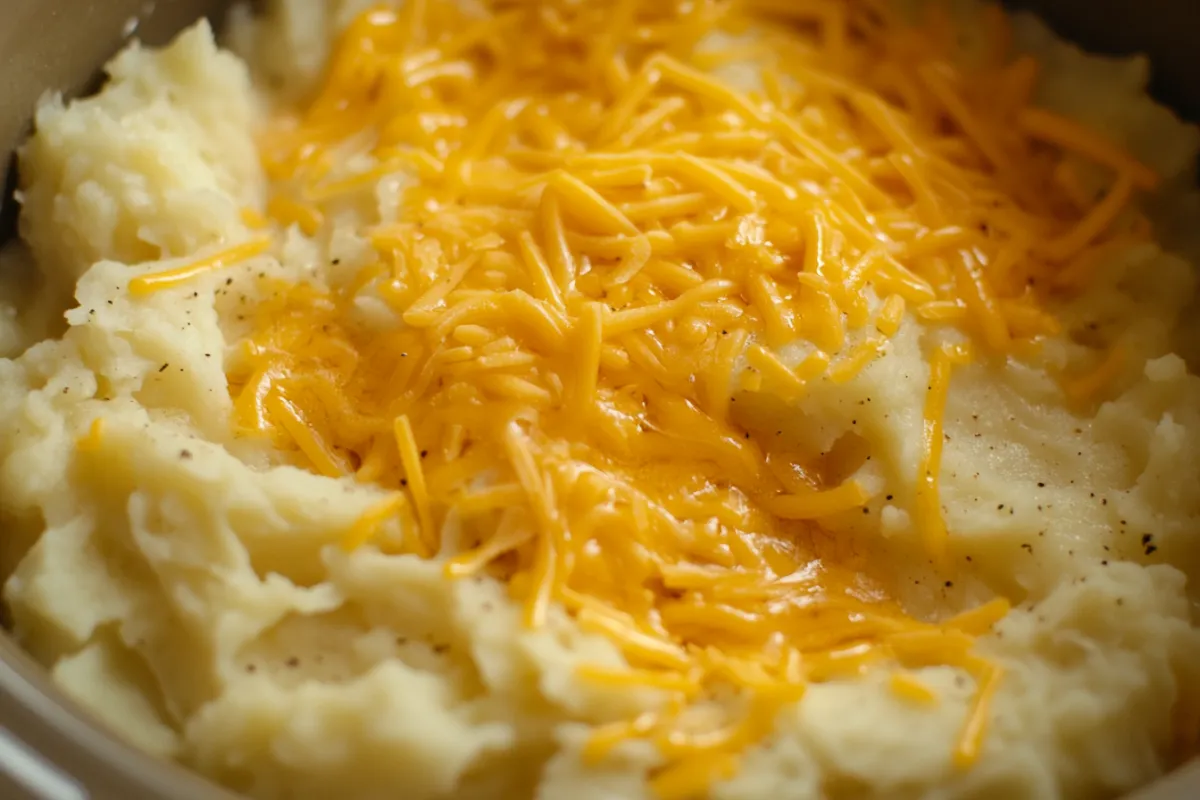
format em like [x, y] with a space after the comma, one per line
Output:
[619, 212]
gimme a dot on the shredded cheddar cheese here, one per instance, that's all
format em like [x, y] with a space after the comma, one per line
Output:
[368, 524]
[970, 742]
[1083, 388]
[146, 284]
[597, 250]
[1045, 126]
[905, 685]
[90, 441]
[927, 502]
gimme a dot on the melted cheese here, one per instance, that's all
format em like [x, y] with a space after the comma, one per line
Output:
[599, 246]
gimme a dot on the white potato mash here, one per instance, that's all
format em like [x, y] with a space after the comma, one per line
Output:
[568, 400]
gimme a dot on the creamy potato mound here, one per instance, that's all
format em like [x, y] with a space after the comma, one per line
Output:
[594, 400]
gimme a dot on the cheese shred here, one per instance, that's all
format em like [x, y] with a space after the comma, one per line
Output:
[143, 285]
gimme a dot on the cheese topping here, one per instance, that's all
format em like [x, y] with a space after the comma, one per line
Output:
[616, 214]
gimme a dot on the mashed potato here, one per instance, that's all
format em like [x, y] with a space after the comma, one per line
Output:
[227, 593]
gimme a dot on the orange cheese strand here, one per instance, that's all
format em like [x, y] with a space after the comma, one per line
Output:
[1071, 243]
[365, 527]
[90, 441]
[323, 459]
[930, 523]
[970, 742]
[846, 497]
[909, 687]
[147, 284]
[1046, 126]
[688, 779]
[253, 219]
[621, 220]
[410, 458]
[1086, 387]
[981, 619]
